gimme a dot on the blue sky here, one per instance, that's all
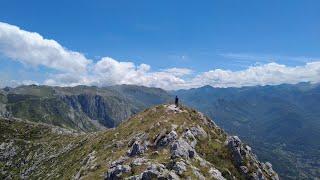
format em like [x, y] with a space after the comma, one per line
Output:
[201, 36]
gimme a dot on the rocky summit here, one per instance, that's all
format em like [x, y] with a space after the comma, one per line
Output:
[162, 142]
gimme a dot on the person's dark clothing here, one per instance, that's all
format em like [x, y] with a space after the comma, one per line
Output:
[176, 102]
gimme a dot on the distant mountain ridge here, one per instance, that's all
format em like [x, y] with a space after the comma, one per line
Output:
[281, 122]
[82, 108]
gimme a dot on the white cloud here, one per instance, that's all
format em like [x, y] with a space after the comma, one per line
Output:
[267, 74]
[75, 69]
[108, 71]
[32, 49]
[179, 71]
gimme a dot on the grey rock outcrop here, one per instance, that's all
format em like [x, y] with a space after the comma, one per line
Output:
[163, 140]
[115, 172]
[216, 174]
[88, 164]
[179, 167]
[137, 149]
[247, 162]
[181, 148]
[158, 171]
[198, 132]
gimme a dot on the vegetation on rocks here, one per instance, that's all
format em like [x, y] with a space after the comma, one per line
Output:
[160, 142]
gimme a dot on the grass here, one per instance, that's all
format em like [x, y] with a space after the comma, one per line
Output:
[151, 121]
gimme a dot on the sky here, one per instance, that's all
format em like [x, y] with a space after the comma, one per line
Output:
[166, 44]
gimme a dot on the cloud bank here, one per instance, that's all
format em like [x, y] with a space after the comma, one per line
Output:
[32, 49]
[73, 68]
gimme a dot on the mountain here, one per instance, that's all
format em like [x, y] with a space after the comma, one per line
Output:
[162, 142]
[82, 108]
[281, 122]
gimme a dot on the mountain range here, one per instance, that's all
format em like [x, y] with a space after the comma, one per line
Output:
[280, 122]
[81, 108]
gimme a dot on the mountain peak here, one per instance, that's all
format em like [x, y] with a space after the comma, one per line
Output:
[178, 142]
[164, 141]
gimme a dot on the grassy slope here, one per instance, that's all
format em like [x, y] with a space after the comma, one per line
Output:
[62, 156]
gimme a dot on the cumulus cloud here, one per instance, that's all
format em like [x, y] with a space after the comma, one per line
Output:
[32, 49]
[108, 71]
[75, 69]
[267, 74]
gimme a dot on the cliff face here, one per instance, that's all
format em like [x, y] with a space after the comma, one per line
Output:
[106, 112]
[162, 142]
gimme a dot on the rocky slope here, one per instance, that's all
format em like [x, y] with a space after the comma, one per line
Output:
[81, 108]
[280, 122]
[163, 142]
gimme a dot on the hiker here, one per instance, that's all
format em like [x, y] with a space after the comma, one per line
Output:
[176, 102]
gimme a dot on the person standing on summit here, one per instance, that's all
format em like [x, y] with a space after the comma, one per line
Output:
[176, 102]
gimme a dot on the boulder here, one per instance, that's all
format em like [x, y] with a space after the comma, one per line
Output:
[198, 174]
[164, 140]
[173, 176]
[116, 172]
[136, 177]
[181, 148]
[137, 149]
[179, 167]
[244, 169]
[216, 174]
[150, 174]
[198, 132]
[155, 171]
[119, 161]
[139, 161]
[190, 138]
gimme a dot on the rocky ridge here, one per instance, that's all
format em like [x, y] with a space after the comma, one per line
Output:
[162, 142]
[183, 160]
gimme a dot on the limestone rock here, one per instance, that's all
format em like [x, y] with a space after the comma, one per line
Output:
[198, 131]
[181, 148]
[246, 160]
[116, 172]
[139, 161]
[137, 149]
[164, 140]
[216, 174]
[179, 167]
